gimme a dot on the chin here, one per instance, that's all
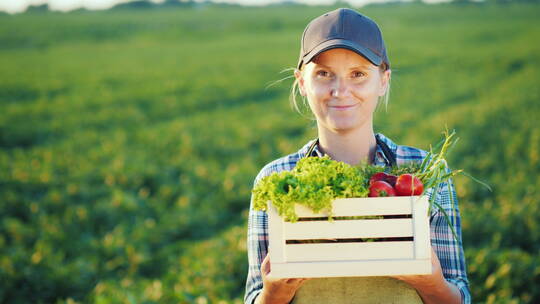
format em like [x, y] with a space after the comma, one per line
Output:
[343, 128]
[345, 125]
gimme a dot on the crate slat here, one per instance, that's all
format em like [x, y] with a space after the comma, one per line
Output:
[348, 229]
[350, 268]
[363, 206]
[349, 251]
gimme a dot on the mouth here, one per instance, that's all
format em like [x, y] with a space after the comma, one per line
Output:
[343, 107]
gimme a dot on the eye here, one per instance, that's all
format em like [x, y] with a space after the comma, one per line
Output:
[323, 73]
[358, 74]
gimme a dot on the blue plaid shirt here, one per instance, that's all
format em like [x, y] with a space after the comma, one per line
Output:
[449, 251]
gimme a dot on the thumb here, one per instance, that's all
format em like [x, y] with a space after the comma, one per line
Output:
[265, 266]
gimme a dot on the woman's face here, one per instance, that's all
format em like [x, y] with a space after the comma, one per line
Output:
[342, 88]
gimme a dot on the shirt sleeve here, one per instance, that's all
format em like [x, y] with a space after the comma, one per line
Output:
[257, 247]
[448, 248]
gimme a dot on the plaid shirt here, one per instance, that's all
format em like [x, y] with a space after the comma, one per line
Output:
[449, 251]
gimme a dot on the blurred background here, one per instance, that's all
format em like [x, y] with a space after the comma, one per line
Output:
[130, 138]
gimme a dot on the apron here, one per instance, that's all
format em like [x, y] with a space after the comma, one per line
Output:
[361, 290]
[372, 290]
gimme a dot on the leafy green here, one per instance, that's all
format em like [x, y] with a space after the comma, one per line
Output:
[314, 182]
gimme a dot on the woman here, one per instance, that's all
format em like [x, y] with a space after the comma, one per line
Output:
[344, 72]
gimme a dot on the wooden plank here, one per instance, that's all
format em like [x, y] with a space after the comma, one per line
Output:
[421, 228]
[364, 206]
[276, 241]
[348, 229]
[348, 251]
[351, 268]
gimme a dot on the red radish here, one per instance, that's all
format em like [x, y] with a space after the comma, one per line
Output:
[381, 188]
[408, 184]
[391, 179]
[379, 176]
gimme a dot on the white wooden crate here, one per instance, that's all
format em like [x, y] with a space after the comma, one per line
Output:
[405, 250]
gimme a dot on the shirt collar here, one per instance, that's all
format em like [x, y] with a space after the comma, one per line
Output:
[379, 154]
[380, 158]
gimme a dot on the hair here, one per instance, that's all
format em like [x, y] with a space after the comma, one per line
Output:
[295, 91]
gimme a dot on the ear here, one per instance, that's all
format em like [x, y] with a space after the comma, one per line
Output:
[300, 79]
[385, 81]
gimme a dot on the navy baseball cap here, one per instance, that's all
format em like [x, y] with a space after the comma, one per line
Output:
[343, 28]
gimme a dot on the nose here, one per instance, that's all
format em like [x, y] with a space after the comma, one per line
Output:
[339, 88]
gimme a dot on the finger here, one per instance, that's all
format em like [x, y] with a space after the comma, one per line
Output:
[397, 277]
[265, 266]
[296, 280]
[435, 263]
[434, 256]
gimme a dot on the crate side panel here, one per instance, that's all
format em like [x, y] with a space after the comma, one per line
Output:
[421, 229]
[276, 241]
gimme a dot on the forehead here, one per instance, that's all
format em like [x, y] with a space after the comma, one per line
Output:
[341, 56]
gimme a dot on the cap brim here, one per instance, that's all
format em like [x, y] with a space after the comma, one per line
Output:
[341, 43]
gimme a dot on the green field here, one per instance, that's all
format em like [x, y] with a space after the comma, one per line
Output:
[129, 141]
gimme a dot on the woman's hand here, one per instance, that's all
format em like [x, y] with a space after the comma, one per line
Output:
[433, 288]
[276, 290]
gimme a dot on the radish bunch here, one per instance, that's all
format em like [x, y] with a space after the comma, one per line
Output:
[383, 184]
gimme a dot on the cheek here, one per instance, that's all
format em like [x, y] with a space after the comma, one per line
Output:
[366, 90]
[317, 90]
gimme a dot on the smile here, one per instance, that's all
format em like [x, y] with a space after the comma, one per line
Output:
[346, 107]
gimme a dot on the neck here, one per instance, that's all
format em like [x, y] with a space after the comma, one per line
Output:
[352, 147]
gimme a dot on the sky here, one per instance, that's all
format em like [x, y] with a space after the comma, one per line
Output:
[17, 6]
